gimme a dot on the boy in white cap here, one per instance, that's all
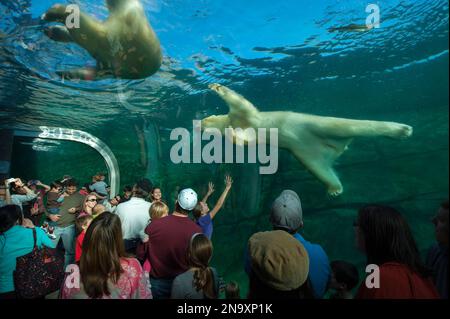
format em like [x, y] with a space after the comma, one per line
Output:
[168, 240]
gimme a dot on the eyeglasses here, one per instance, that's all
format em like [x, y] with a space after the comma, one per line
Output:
[92, 200]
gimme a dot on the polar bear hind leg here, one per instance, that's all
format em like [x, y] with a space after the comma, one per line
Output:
[318, 156]
[345, 128]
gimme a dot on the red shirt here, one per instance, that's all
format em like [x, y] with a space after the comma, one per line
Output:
[397, 281]
[79, 245]
[169, 239]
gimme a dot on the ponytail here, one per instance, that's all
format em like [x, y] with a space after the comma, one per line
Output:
[204, 281]
[199, 255]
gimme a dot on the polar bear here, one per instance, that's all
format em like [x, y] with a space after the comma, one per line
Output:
[315, 141]
[125, 45]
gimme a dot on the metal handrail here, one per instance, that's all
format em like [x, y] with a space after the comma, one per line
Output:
[58, 133]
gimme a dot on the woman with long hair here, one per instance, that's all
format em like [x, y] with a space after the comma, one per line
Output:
[383, 234]
[105, 271]
[200, 281]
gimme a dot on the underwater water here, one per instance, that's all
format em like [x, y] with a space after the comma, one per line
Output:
[282, 57]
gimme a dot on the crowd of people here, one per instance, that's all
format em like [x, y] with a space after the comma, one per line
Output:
[132, 246]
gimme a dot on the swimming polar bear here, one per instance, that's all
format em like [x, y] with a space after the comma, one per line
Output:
[315, 141]
[125, 45]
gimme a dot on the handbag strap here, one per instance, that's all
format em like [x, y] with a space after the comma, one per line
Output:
[34, 238]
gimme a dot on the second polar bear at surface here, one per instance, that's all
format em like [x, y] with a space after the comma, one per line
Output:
[316, 141]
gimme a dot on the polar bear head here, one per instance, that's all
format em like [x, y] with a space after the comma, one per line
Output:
[229, 96]
[220, 122]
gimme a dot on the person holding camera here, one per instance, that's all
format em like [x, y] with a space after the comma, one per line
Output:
[25, 195]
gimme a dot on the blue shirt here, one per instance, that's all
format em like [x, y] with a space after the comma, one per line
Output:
[100, 188]
[319, 266]
[16, 242]
[205, 222]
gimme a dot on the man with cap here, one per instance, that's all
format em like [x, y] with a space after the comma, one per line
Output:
[279, 267]
[168, 241]
[134, 215]
[287, 215]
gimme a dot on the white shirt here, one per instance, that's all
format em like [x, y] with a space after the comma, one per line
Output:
[109, 208]
[135, 216]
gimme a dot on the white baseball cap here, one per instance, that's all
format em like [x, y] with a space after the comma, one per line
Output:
[187, 199]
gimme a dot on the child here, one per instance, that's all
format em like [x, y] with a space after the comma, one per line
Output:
[127, 192]
[99, 186]
[98, 210]
[343, 279]
[158, 210]
[83, 221]
[232, 291]
[54, 201]
[202, 215]
[156, 195]
[85, 189]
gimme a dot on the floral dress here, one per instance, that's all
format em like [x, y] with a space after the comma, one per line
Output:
[132, 284]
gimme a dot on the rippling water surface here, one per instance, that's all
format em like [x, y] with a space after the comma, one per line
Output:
[281, 56]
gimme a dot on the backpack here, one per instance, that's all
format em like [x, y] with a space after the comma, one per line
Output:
[38, 273]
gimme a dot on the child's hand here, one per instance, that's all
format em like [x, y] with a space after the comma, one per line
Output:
[210, 188]
[34, 211]
[54, 218]
[27, 223]
[228, 181]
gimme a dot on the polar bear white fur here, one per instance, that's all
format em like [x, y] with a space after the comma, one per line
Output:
[125, 45]
[315, 141]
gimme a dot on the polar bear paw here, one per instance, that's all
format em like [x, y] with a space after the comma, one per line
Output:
[335, 191]
[400, 131]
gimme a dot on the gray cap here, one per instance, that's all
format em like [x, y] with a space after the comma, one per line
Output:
[287, 211]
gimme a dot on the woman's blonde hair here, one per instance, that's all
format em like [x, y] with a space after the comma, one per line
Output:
[158, 210]
[92, 194]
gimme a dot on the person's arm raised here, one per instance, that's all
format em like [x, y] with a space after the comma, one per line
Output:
[46, 187]
[221, 201]
[210, 191]
[8, 199]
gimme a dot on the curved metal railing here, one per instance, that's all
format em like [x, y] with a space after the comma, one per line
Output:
[57, 133]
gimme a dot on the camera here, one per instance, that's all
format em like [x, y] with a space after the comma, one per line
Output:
[33, 182]
[10, 180]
